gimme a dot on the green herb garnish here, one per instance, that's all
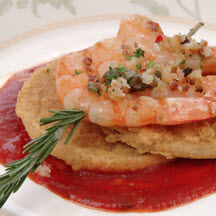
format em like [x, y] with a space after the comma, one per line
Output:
[38, 150]
[113, 74]
[136, 44]
[150, 64]
[121, 68]
[201, 56]
[99, 92]
[77, 72]
[138, 66]
[201, 66]
[47, 70]
[181, 63]
[110, 75]
[138, 53]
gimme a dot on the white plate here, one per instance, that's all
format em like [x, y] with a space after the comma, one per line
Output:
[44, 44]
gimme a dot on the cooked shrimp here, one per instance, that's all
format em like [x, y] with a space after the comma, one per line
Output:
[105, 53]
[140, 30]
[116, 91]
[166, 50]
[134, 109]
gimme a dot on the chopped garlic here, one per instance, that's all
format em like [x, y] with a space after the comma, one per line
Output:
[134, 61]
[115, 90]
[148, 76]
[191, 45]
[203, 43]
[196, 74]
[166, 74]
[207, 51]
[175, 40]
[179, 59]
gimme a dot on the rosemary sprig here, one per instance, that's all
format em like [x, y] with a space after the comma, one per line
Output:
[38, 150]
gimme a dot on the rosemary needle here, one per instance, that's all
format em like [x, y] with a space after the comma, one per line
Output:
[38, 150]
[192, 31]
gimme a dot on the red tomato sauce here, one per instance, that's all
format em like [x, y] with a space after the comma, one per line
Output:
[152, 189]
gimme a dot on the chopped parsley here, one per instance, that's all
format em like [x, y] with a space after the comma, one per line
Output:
[112, 74]
[121, 68]
[181, 63]
[150, 64]
[138, 53]
[190, 55]
[201, 66]
[77, 72]
[136, 44]
[47, 70]
[201, 56]
[168, 40]
[138, 66]
[98, 92]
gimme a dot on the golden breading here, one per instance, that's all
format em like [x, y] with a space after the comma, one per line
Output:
[87, 148]
[194, 140]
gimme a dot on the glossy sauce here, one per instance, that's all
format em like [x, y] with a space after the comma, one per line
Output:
[152, 189]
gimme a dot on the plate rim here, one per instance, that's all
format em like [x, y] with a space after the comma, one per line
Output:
[83, 20]
[95, 18]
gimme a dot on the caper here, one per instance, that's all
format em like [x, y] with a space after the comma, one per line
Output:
[91, 87]
[111, 74]
[136, 84]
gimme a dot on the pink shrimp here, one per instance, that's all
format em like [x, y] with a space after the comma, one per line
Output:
[173, 96]
[132, 110]
[166, 50]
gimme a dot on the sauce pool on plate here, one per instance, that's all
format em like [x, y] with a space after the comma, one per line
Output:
[152, 189]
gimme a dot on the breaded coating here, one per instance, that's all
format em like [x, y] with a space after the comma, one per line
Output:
[195, 140]
[88, 148]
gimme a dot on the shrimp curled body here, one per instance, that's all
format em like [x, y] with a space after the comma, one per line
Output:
[166, 103]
